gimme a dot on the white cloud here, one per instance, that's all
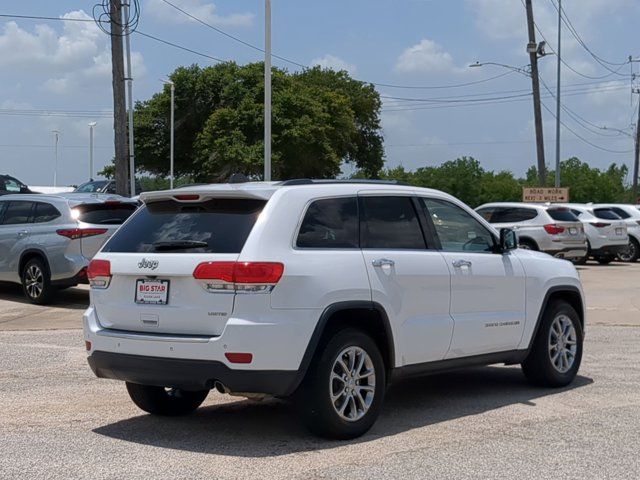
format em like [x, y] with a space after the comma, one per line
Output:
[334, 63]
[425, 57]
[207, 12]
[77, 58]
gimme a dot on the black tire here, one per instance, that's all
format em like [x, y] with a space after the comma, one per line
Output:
[317, 408]
[632, 253]
[165, 401]
[539, 368]
[606, 260]
[527, 244]
[36, 282]
[580, 261]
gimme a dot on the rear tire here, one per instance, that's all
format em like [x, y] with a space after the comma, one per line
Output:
[556, 352]
[165, 401]
[606, 260]
[337, 400]
[632, 253]
[527, 244]
[36, 282]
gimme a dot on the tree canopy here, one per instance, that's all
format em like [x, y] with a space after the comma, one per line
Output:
[321, 119]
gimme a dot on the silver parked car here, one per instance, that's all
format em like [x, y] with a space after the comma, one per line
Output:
[47, 241]
[631, 215]
[606, 232]
[547, 228]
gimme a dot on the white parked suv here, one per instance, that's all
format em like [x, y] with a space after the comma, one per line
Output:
[322, 291]
[631, 216]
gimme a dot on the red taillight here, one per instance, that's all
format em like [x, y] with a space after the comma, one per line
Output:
[187, 198]
[99, 273]
[239, 357]
[600, 224]
[552, 229]
[75, 233]
[247, 276]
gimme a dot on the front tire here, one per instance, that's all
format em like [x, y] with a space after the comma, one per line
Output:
[165, 401]
[36, 282]
[606, 260]
[345, 386]
[556, 352]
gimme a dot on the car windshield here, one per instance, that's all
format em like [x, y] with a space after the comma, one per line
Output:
[91, 187]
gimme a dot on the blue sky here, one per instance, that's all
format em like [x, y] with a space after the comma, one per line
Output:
[65, 66]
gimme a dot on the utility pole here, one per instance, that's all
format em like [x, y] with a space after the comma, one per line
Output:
[119, 109]
[532, 49]
[558, 95]
[267, 90]
[636, 158]
[173, 91]
[91, 126]
[56, 136]
[127, 33]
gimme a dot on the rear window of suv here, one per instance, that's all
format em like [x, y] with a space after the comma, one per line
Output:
[606, 214]
[105, 213]
[213, 226]
[562, 215]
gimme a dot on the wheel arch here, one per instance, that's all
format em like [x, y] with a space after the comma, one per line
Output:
[30, 254]
[529, 240]
[370, 317]
[569, 294]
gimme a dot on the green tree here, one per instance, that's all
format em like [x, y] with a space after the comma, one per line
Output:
[320, 119]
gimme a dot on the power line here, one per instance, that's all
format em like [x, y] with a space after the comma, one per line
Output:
[175, 45]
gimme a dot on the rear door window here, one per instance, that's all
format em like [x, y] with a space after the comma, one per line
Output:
[621, 213]
[105, 213]
[513, 215]
[45, 212]
[563, 214]
[18, 212]
[330, 223]
[213, 226]
[390, 223]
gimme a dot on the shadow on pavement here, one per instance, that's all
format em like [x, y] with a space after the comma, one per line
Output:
[74, 298]
[271, 428]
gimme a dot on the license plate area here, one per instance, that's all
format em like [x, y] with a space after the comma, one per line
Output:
[618, 231]
[152, 291]
[573, 231]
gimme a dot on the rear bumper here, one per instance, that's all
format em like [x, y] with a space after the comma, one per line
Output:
[190, 374]
[569, 252]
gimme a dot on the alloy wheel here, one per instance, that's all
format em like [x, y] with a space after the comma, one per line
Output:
[562, 343]
[628, 253]
[352, 384]
[34, 281]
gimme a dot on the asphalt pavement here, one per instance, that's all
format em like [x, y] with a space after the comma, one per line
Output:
[57, 421]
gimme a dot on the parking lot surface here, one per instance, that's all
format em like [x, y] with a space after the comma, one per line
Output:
[58, 421]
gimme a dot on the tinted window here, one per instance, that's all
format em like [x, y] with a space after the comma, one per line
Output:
[45, 212]
[606, 214]
[391, 223]
[486, 213]
[92, 187]
[17, 212]
[214, 226]
[563, 214]
[330, 223]
[621, 213]
[105, 213]
[513, 214]
[457, 230]
[11, 185]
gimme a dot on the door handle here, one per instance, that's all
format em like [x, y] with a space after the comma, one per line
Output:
[461, 263]
[381, 262]
[22, 233]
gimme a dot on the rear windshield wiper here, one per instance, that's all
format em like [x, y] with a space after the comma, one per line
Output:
[179, 245]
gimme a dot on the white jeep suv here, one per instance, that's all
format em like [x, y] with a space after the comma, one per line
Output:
[323, 291]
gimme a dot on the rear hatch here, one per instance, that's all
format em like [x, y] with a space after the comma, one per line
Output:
[610, 224]
[566, 227]
[153, 258]
[98, 221]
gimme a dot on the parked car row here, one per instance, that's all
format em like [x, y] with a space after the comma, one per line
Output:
[575, 232]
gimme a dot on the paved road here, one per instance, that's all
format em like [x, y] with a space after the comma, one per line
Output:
[57, 421]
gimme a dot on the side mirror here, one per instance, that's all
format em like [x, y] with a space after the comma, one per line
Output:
[508, 239]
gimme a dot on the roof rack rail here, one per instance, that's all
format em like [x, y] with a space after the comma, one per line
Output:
[312, 181]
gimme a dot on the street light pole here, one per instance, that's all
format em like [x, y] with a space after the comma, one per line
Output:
[267, 90]
[56, 135]
[91, 125]
[558, 96]
[173, 89]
